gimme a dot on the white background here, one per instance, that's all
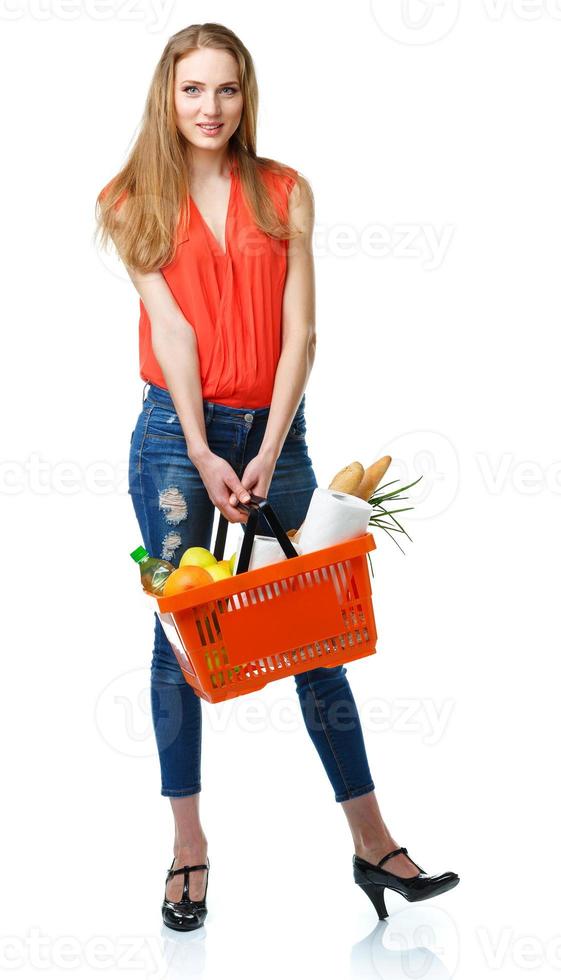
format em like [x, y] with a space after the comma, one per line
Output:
[434, 126]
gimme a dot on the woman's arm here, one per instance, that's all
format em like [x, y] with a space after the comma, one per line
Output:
[298, 344]
[298, 324]
[175, 347]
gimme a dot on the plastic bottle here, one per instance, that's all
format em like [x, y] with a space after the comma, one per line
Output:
[153, 571]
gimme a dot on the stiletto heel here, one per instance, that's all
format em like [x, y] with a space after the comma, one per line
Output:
[372, 878]
[376, 895]
[188, 913]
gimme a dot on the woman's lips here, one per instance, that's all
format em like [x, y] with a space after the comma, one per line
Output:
[210, 132]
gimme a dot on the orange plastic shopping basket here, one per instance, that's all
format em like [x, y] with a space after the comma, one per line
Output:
[306, 611]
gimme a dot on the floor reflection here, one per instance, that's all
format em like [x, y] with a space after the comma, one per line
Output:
[412, 943]
[184, 953]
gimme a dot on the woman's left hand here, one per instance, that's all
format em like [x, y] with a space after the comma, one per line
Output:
[257, 476]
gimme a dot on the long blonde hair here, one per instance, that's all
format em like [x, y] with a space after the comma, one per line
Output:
[154, 180]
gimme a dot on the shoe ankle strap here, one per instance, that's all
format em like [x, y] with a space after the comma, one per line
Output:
[398, 850]
[187, 868]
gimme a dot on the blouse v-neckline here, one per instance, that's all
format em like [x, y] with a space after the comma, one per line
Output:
[218, 247]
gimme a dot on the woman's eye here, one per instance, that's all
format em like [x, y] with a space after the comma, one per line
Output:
[227, 88]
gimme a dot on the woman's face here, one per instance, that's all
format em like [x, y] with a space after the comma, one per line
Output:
[207, 91]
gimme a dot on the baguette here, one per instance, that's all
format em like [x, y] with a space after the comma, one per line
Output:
[348, 479]
[372, 477]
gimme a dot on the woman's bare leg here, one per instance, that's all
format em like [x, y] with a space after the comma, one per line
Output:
[371, 837]
[189, 847]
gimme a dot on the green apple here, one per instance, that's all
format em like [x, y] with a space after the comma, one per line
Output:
[233, 561]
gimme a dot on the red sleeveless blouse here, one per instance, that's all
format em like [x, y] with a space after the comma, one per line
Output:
[232, 299]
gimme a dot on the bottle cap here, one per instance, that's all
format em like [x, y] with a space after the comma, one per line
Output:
[139, 553]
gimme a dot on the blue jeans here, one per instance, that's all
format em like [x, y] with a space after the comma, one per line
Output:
[174, 512]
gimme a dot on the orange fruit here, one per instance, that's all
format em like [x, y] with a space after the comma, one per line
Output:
[186, 577]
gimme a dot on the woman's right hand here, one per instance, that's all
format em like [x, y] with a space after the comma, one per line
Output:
[221, 480]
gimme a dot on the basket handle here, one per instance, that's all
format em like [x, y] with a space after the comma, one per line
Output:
[253, 507]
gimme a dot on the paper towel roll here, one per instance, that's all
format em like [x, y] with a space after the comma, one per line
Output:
[333, 517]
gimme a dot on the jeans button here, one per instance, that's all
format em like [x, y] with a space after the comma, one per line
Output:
[248, 417]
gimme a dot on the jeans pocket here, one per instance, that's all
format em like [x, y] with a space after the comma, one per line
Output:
[164, 424]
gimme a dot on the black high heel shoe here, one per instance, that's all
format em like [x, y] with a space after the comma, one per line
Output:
[187, 913]
[373, 879]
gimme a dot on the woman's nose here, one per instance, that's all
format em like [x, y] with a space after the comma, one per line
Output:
[211, 108]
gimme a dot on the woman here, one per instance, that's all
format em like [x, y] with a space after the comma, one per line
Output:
[227, 343]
